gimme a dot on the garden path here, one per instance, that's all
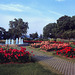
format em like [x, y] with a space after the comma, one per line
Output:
[61, 65]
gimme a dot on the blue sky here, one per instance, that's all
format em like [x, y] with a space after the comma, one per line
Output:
[38, 13]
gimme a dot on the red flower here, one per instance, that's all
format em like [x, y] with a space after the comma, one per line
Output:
[33, 54]
[21, 54]
[66, 55]
[31, 51]
[18, 54]
[16, 57]
[71, 56]
[74, 49]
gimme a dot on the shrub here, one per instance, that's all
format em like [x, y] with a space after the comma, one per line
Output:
[67, 51]
[14, 55]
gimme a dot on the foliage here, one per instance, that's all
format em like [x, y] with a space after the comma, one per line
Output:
[26, 38]
[47, 30]
[58, 39]
[34, 35]
[8, 54]
[2, 32]
[64, 28]
[52, 39]
[67, 51]
[18, 27]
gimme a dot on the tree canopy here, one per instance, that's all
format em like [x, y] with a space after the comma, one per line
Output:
[18, 27]
[48, 29]
[2, 31]
[64, 28]
[34, 35]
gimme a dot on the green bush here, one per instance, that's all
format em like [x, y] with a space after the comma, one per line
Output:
[58, 39]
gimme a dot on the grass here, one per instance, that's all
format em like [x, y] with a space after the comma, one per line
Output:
[51, 54]
[24, 69]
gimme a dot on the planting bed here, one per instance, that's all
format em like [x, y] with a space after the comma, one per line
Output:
[59, 48]
[9, 54]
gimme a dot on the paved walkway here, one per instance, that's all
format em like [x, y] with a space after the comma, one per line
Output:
[63, 66]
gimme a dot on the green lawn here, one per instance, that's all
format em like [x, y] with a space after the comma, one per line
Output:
[24, 69]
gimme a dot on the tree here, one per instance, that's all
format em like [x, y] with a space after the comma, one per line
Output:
[66, 25]
[72, 23]
[67, 34]
[18, 27]
[48, 30]
[63, 23]
[2, 31]
[34, 35]
[41, 36]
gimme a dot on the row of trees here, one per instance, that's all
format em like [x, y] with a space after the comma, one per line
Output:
[64, 28]
[17, 28]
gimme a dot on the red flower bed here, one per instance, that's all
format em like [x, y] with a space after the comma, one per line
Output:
[32, 41]
[14, 55]
[60, 48]
[67, 51]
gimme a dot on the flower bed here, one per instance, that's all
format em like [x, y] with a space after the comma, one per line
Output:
[36, 45]
[9, 54]
[31, 41]
[60, 48]
[67, 51]
[46, 45]
[53, 46]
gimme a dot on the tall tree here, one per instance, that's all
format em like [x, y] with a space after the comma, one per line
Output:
[2, 31]
[18, 27]
[48, 30]
[72, 23]
[63, 23]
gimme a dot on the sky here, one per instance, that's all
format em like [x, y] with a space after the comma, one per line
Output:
[38, 13]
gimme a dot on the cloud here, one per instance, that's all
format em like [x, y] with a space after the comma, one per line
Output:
[20, 8]
[11, 7]
[56, 13]
[59, 0]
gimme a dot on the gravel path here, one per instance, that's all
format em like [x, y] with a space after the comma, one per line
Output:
[63, 66]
